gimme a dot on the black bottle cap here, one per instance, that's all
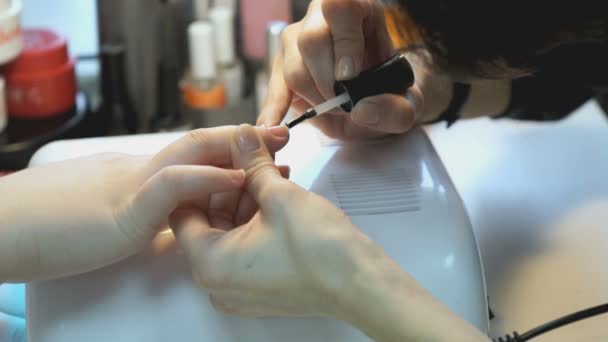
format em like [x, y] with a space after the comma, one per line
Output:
[394, 76]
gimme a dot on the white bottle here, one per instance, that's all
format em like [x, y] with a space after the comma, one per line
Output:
[202, 58]
[230, 67]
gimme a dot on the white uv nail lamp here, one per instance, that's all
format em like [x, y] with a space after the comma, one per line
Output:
[396, 190]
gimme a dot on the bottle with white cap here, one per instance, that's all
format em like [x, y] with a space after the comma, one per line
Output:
[201, 88]
[231, 69]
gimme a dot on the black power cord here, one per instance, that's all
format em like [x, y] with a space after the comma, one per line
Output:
[560, 322]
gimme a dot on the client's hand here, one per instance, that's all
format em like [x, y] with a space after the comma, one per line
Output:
[79, 215]
[292, 257]
[299, 255]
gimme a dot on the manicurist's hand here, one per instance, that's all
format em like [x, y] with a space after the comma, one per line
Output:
[336, 40]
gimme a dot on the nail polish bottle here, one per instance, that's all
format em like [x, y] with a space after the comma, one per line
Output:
[117, 105]
[231, 71]
[201, 88]
[3, 114]
[273, 49]
[168, 112]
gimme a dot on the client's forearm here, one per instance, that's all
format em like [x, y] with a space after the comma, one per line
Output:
[388, 305]
[19, 246]
[9, 240]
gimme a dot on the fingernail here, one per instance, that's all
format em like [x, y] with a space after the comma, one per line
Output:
[410, 98]
[346, 68]
[412, 101]
[280, 131]
[248, 139]
[238, 176]
[287, 172]
[367, 118]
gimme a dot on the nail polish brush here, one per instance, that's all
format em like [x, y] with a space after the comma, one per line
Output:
[393, 76]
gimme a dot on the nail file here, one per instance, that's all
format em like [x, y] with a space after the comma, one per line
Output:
[393, 76]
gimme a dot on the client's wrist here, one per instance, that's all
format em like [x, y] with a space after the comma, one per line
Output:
[376, 281]
[341, 279]
[387, 304]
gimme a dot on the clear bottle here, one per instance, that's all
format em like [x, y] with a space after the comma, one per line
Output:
[273, 48]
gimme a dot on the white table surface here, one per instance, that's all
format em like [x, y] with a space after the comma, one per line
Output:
[434, 243]
[537, 197]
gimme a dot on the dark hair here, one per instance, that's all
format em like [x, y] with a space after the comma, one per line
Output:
[502, 38]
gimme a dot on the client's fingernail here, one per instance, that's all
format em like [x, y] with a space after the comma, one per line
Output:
[238, 176]
[410, 98]
[366, 117]
[248, 139]
[345, 69]
[280, 131]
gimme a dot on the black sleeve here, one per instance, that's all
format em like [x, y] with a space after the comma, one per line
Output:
[545, 97]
